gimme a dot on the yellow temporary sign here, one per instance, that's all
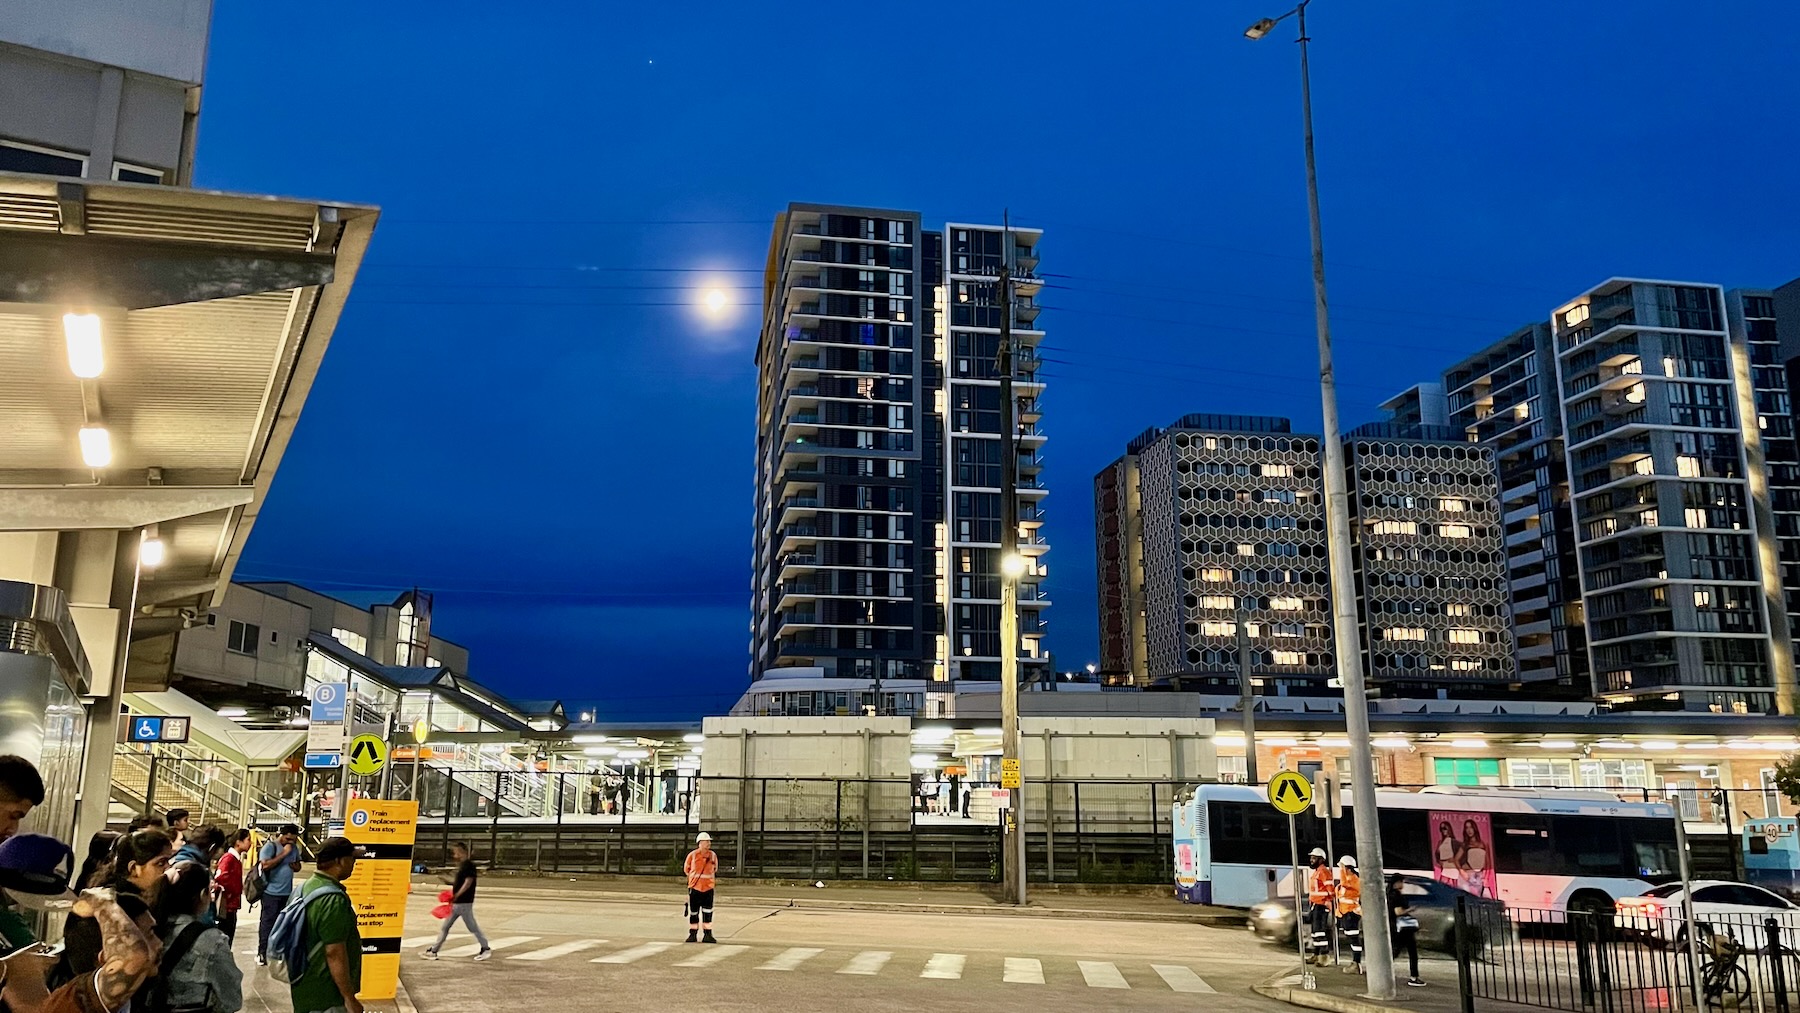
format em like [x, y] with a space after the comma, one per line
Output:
[1290, 793]
[379, 886]
[368, 754]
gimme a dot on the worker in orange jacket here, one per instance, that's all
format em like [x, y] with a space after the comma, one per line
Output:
[1349, 911]
[1321, 895]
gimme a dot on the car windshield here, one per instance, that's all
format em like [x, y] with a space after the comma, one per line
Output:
[1665, 890]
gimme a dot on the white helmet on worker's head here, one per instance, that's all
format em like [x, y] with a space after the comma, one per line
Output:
[1319, 853]
[704, 836]
[1347, 862]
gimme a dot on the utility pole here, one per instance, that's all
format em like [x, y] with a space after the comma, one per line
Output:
[1246, 698]
[1380, 962]
[1011, 568]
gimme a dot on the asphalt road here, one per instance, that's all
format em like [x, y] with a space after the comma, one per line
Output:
[609, 955]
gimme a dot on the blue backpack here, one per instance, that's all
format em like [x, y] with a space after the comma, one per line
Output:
[289, 949]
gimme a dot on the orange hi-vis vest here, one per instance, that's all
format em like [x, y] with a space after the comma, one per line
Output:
[1319, 888]
[1349, 894]
[702, 868]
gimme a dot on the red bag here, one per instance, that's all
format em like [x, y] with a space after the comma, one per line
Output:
[441, 912]
[445, 896]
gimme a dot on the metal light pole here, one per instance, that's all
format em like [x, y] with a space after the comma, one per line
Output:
[1380, 963]
[1011, 569]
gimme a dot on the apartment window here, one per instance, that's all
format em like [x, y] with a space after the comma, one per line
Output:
[1454, 506]
[1540, 774]
[1278, 470]
[1233, 770]
[1288, 658]
[1394, 528]
[1403, 633]
[1464, 636]
[1466, 773]
[1455, 531]
[896, 469]
[1215, 575]
[1286, 604]
[127, 173]
[1218, 629]
[355, 641]
[1217, 601]
[16, 156]
[241, 638]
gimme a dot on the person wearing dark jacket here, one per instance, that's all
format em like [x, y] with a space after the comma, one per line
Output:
[134, 874]
[1405, 928]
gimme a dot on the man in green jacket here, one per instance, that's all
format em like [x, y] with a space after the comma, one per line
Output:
[334, 947]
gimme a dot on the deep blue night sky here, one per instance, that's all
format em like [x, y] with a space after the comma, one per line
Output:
[562, 450]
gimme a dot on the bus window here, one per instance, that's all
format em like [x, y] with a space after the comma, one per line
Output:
[1589, 845]
[1651, 848]
[1405, 840]
[1522, 844]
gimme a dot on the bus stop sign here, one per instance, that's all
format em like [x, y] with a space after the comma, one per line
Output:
[1290, 793]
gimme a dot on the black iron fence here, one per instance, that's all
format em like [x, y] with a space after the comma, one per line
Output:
[1637, 960]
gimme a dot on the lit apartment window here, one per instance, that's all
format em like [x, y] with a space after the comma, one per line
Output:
[1702, 597]
[1696, 517]
[1289, 658]
[1218, 601]
[1454, 506]
[1215, 575]
[1687, 466]
[1632, 367]
[1522, 410]
[1394, 528]
[1278, 471]
[1246, 549]
[1210, 442]
[1216, 628]
[1456, 531]
[1286, 603]
[1403, 633]
[1643, 466]
[1668, 365]
[242, 638]
[1464, 664]
[1634, 394]
[1465, 636]
[1459, 609]
[1575, 315]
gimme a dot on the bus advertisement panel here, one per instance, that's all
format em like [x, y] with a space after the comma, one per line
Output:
[1463, 857]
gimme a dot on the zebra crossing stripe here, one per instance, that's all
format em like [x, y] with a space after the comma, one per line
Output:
[634, 954]
[559, 950]
[418, 941]
[790, 958]
[712, 955]
[944, 965]
[1101, 974]
[867, 962]
[1181, 979]
[1024, 971]
[493, 944]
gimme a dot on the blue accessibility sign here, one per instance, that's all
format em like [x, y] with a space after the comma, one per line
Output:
[146, 729]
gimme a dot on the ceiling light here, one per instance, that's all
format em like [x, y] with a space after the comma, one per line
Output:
[1281, 741]
[923, 761]
[696, 750]
[96, 446]
[1391, 742]
[151, 551]
[83, 333]
[989, 731]
[1614, 744]
[233, 712]
[930, 736]
[1469, 743]
[588, 738]
[1557, 744]
[1228, 740]
[602, 751]
[693, 737]
[634, 754]
[1335, 742]
[1657, 744]
[1699, 745]
[298, 722]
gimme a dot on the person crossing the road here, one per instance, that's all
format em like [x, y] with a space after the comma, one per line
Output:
[1349, 911]
[1321, 893]
[702, 868]
[462, 904]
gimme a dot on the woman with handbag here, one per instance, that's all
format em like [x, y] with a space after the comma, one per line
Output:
[198, 974]
[1405, 928]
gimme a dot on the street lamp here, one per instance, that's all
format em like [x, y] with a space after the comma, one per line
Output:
[1343, 589]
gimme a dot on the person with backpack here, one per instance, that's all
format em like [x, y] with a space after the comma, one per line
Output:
[196, 973]
[277, 862]
[134, 876]
[316, 946]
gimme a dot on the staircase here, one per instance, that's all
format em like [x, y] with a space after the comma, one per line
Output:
[188, 777]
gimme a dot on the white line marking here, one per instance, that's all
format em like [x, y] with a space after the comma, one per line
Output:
[1024, 971]
[789, 959]
[405, 944]
[867, 962]
[559, 950]
[712, 955]
[1181, 979]
[634, 954]
[1101, 974]
[493, 944]
[944, 965]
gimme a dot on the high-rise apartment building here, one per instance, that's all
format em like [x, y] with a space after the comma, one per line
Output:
[1429, 558]
[1504, 398]
[1667, 534]
[878, 507]
[1751, 317]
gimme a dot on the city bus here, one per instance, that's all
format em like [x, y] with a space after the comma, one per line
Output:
[1529, 848]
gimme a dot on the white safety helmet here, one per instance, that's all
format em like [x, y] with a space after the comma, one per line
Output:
[704, 836]
[1319, 853]
[1347, 862]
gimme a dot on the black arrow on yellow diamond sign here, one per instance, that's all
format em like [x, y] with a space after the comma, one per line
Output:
[1288, 791]
[368, 753]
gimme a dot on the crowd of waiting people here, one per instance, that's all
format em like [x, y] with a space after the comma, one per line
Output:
[150, 914]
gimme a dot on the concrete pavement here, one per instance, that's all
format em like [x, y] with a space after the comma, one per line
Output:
[602, 951]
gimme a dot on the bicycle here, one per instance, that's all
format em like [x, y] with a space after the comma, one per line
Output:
[1723, 979]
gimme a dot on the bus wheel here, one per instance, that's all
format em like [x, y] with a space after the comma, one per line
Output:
[1595, 904]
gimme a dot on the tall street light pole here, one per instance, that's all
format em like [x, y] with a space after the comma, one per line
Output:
[1380, 964]
[1012, 567]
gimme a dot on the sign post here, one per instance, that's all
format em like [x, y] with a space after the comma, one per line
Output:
[1290, 794]
[325, 726]
[1328, 805]
[379, 887]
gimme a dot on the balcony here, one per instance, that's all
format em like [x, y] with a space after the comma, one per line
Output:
[1025, 310]
[808, 281]
[1031, 411]
[1030, 464]
[1026, 257]
[1031, 515]
[795, 563]
[795, 507]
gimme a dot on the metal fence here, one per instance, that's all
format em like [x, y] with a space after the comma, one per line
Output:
[1611, 963]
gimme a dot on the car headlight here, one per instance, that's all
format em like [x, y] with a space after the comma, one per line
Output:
[1271, 915]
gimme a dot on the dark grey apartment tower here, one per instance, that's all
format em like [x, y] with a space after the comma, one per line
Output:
[1504, 398]
[1429, 556]
[878, 505]
[1667, 531]
[1751, 315]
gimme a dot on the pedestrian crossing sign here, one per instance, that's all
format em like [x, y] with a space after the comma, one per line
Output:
[1290, 793]
[368, 754]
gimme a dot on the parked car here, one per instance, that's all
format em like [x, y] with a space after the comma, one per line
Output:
[1433, 904]
[1719, 906]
